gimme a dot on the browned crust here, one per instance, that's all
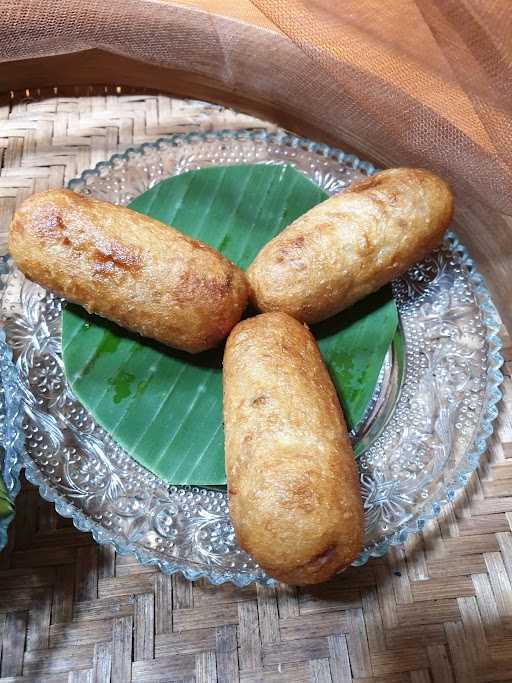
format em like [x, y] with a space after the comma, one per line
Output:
[293, 486]
[128, 268]
[352, 244]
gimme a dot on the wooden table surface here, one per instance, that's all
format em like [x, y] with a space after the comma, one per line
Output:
[438, 610]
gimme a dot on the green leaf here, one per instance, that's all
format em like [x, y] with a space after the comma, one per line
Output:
[165, 407]
[353, 345]
[6, 504]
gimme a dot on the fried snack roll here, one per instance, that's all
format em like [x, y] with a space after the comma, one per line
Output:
[128, 268]
[352, 244]
[293, 487]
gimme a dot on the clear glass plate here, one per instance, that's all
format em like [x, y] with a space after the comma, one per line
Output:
[423, 434]
[11, 434]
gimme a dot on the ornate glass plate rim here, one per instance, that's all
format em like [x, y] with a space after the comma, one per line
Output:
[11, 434]
[418, 293]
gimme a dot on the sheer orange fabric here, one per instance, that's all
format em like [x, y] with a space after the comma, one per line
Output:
[418, 82]
[424, 82]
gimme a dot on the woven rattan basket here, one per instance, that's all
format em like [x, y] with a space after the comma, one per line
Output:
[439, 610]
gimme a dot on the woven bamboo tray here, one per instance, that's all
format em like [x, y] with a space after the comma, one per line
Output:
[437, 611]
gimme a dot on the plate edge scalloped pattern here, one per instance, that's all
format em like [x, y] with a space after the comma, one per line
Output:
[12, 446]
[472, 456]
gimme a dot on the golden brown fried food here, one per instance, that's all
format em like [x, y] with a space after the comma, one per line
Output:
[293, 488]
[351, 245]
[128, 268]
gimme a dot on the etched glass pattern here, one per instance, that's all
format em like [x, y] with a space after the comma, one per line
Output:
[423, 434]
